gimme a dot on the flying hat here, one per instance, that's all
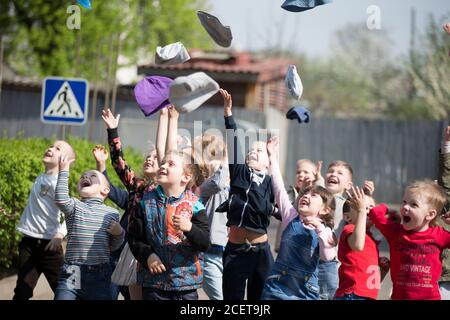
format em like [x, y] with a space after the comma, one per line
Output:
[302, 5]
[190, 92]
[219, 33]
[85, 3]
[152, 94]
[171, 54]
[293, 82]
[299, 113]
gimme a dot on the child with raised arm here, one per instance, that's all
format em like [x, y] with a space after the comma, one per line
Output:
[93, 232]
[307, 173]
[136, 186]
[40, 250]
[415, 245]
[444, 219]
[338, 179]
[359, 272]
[169, 232]
[306, 237]
[121, 278]
[247, 255]
[213, 192]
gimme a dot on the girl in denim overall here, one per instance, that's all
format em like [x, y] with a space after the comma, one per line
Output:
[307, 237]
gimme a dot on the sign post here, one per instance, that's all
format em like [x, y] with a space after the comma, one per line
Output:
[64, 101]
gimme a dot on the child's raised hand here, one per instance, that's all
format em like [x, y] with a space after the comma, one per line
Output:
[182, 223]
[319, 169]
[369, 187]
[173, 113]
[357, 198]
[100, 153]
[446, 217]
[155, 264]
[115, 229]
[164, 111]
[273, 146]
[65, 162]
[447, 28]
[110, 121]
[227, 102]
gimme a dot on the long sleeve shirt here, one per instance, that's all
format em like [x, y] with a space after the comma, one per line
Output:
[288, 213]
[87, 221]
[250, 203]
[41, 218]
[444, 181]
[415, 257]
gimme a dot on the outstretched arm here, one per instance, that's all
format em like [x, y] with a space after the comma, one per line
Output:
[387, 227]
[357, 239]
[116, 195]
[172, 131]
[285, 208]
[444, 168]
[161, 134]
[118, 162]
[235, 156]
[62, 199]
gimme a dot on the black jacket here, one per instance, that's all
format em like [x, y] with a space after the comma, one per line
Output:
[250, 204]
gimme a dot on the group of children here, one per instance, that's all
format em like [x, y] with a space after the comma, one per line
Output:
[198, 217]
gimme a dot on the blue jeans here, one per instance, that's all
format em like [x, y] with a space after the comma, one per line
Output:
[285, 286]
[352, 296]
[328, 279]
[84, 282]
[213, 272]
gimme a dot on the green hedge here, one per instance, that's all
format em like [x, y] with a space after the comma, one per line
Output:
[20, 164]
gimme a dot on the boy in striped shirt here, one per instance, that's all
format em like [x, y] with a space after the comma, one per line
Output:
[93, 231]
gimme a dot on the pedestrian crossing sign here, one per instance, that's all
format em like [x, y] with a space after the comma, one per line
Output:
[64, 101]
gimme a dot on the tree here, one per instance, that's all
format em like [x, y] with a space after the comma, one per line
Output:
[39, 42]
[430, 69]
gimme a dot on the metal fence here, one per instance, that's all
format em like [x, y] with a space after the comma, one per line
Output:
[391, 153]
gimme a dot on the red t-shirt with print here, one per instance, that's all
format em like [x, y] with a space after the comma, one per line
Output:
[359, 272]
[416, 262]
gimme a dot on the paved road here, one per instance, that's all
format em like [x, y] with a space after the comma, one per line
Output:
[43, 291]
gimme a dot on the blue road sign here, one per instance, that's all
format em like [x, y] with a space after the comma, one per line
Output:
[64, 101]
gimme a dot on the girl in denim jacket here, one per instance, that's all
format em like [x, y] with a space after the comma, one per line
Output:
[307, 237]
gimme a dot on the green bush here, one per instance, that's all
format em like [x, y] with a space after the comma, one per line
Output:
[20, 164]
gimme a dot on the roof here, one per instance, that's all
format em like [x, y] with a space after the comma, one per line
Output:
[225, 66]
[25, 84]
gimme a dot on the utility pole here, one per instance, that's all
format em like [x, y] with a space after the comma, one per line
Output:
[1, 67]
[412, 47]
[95, 94]
[108, 76]
[116, 63]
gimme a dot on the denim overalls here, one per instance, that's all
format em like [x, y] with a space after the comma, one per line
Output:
[294, 273]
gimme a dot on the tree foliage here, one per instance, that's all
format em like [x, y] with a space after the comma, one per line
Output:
[430, 70]
[39, 42]
[20, 164]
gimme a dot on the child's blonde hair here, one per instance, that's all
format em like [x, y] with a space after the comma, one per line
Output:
[190, 167]
[340, 163]
[433, 193]
[209, 148]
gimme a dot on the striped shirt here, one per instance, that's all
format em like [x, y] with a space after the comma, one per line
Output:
[87, 220]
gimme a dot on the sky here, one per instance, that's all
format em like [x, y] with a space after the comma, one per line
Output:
[257, 24]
